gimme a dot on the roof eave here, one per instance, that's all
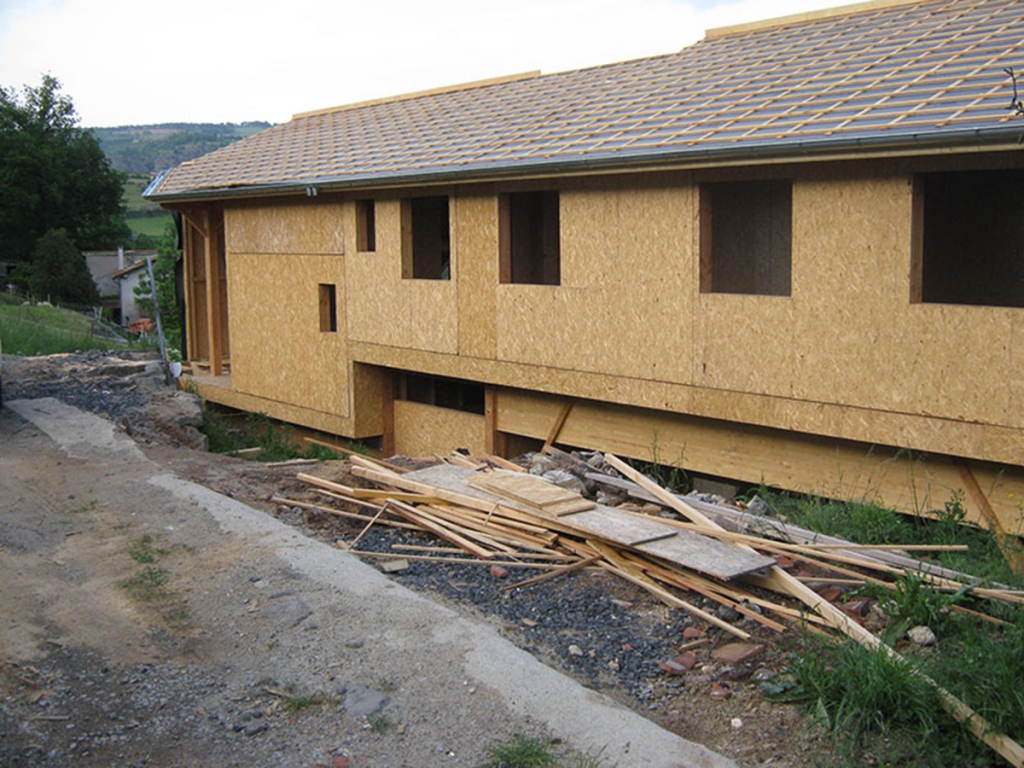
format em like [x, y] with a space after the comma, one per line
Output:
[1010, 136]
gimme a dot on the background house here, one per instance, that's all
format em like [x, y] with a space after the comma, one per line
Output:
[788, 253]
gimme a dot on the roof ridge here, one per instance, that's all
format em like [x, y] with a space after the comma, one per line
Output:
[806, 16]
[419, 94]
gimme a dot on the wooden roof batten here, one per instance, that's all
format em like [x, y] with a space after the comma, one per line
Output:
[854, 82]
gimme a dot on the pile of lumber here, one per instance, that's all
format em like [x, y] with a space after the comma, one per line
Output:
[491, 511]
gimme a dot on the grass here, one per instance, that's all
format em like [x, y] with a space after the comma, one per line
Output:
[522, 751]
[143, 552]
[148, 584]
[39, 330]
[228, 433]
[875, 705]
[298, 703]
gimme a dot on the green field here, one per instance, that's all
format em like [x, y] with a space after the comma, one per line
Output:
[38, 330]
[153, 226]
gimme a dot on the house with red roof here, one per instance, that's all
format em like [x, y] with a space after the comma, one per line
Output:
[789, 253]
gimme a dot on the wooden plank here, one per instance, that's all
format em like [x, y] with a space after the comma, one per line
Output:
[1010, 546]
[414, 515]
[780, 581]
[556, 428]
[528, 489]
[719, 560]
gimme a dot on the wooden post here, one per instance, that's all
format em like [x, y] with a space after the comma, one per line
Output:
[213, 307]
[387, 410]
[494, 441]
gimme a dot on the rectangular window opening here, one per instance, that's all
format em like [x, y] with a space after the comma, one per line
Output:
[452, 394]
[746, 237]
[366, 226]
[328, 308]
[426, 239]
[530, 248]
[968, 245]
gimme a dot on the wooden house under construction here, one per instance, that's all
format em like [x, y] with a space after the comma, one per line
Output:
[791, 252]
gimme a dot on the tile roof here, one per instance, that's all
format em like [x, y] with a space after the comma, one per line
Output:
[885, 75]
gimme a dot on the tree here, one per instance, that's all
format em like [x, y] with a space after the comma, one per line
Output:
[60, 273]
[53, 175]
[165, 274]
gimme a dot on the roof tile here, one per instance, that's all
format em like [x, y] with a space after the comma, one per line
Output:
[928, 68]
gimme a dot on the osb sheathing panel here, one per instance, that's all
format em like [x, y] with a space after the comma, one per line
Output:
[280, 228]
[292, 414]
[387, 309]
[801, 463]
[624, 305]
[478, 275]
[422, 430]
[368, 384]
[849, 335]
[279, 351]
[931, 434]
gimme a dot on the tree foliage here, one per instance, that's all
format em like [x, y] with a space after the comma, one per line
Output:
[164, 272]
[60, 273]
[53, 175]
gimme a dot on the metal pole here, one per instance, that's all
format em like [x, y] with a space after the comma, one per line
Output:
[168, 379]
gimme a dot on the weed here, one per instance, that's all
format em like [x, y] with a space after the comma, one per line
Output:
[913, 603]
[148, 584]
[143, 552]
[298, 703]
[379, 724]
[520, 752]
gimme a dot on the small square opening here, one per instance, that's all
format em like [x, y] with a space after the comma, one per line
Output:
[746, 237]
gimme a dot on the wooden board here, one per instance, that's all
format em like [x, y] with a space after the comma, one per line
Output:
[532, 490]
[716, 559]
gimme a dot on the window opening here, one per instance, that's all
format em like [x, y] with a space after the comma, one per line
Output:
[530, 238]
[426, 239]
[746, 237]
[328, 308]
[366, 226]
[452, 394]
[969, 238]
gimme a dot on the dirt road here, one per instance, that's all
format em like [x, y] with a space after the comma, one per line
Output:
[148, 621]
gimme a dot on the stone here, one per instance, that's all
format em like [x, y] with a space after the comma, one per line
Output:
[736, 653]
[499, 572]
[719, 692]
[725, 613]
[395, 566]
[363, 701]
[575, 650]
[692, 633]
[680, 664]
[341, 761]
[922, 635]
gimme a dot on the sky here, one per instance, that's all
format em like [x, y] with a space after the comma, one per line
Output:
[136, 62]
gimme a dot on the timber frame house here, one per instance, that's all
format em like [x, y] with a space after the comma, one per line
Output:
[791, 252]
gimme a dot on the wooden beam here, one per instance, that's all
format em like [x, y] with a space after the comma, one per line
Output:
[213, 303]
[494, 440]
[556, 428]
[1009, 545]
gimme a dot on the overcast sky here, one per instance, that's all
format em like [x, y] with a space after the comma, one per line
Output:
[138, 61]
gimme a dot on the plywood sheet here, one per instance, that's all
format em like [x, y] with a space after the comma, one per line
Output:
[476, 220]
[386, 309]
[625, 269]
[423, 430]
[713, 558]
[278, 349]
[286, 228]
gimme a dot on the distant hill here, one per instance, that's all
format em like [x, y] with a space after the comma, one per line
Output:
[148, 149]
[142, 151]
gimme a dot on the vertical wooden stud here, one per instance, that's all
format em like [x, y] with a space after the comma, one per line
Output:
[493, 439]
[704, 226]
[388, 413]
[917, 240]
